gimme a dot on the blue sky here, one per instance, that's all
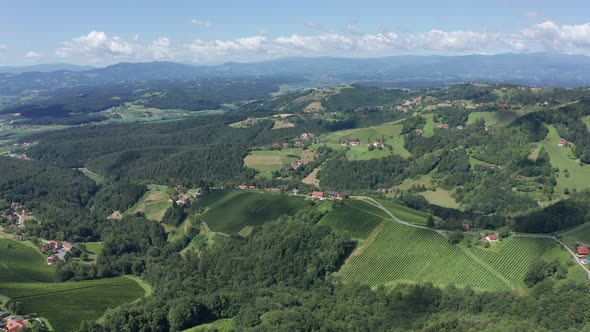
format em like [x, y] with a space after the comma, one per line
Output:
[201, 31]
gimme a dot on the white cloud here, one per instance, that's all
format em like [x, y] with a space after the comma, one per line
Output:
[531, 14]
[99, 47]
[450, 41]
[161, 48]
[553, 37]
[33, 56]
[204, 23]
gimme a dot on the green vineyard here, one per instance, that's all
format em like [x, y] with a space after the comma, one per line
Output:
[401, 253]
[357, 218]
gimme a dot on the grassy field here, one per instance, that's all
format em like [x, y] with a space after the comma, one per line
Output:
[440, 197]
[67, 304]
[581, 235]
[21, 261]
[429, 126]
[94, 249]
[562, 158]
[230, 211]
[97, 178]
[153, 203]
[268, 161]
[490, 118]
[405, 213]
[221, 325]
[365, 135]
[356, 218]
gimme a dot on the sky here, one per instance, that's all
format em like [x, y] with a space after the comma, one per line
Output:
[100, 33]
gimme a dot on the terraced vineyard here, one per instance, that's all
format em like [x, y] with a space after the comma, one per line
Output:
[514, 257]
[402, 253]
[355, 217]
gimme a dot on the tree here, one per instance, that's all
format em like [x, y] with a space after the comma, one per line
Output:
[430, 222]
[504, 232]
[539, 270]
[455, 237]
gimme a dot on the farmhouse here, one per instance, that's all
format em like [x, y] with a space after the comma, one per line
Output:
[51, 245]
[420, 131]
[251, 187]
[442, 126]
[285, 145]
[296, 164]
[298, 143]
[341, 196]
[491, 238]
[276, 145]
[67, 246]
[563, 143]
[52, 259]
[15, 323]
[317, 195]
[242, 187]
[582, 251]
[378, 144]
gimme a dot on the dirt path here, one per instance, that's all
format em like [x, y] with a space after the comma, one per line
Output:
[359, 250]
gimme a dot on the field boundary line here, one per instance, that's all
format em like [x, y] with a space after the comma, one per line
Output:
[487, 267]
[67, 290]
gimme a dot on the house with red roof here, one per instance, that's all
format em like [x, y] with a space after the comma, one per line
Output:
[317, 195]
[582, 250]
[341, 196]
[491, 238]
[276, 145]
[15, 323]
[563, 143]
[52, 259]
[67, 246]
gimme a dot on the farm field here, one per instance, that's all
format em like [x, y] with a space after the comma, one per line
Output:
[562, 158]
[401, 253]
[94, 249]
[429, 126]
[365, 135]
[490, 118]
[21, 261]
[440, 197]
[26, 277]
[581, 235]
[67, 304]
[268, 161]
[230, 211]
[356, 218]
[153, 203]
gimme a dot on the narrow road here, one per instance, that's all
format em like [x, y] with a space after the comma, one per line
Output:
[575, 258]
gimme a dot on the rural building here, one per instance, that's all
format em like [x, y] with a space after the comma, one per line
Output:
[341, 196]
[285, 145]
[296, 165]
[491, 238]
[317, 195]
[51, 245]
[298, 143]
[379, 144]
[442, 126]
[67, 246]
[15, 323]
[52, 259]
[420, 131]
[251, 187]
[519, 177]
[242, 187]
[4, 314]
[466, 227]
[276, 145]
[582, 250]
[563, 143]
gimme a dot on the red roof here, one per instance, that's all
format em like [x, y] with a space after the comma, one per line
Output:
[492, 237]
[317, 194]
[15, 324]
[583, 250]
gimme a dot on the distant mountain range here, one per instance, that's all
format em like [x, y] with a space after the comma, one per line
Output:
[44, 68]
[539, 69]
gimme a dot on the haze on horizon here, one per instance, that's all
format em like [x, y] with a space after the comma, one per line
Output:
[210, 32]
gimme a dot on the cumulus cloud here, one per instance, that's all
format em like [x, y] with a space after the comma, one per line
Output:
[451, 41]
[97, 46]
[554, 37]
[33, 56]
[203, 23]
[3, 47]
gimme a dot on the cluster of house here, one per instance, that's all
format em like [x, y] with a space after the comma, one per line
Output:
[287, 144]
[378, 144]
[185, 198]
[12, 127]
[272, 189]
[320, 195]
[409, 104]
[58, 250]
[307, 136]
[10, 323]
[563, 143]
[355, 142]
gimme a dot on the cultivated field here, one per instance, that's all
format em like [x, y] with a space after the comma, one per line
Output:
[221, 325]
[230, 211]
[268, 161]
[26, 277]
[153, 203]
[67, 304]
[405, 213]
[356, 218]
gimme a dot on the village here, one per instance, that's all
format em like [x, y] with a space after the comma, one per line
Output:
[10, 323]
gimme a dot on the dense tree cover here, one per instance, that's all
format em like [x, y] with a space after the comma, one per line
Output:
[412, 123]
[358, 96]
[116, 197]
[57, 197]
[275, 280]
[339, 172]
[174, 215]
